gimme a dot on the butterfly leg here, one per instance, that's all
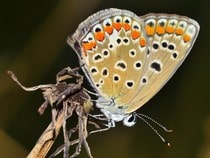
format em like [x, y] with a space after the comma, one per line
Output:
[109, 124]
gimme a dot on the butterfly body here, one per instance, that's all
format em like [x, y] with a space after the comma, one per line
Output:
[128, 58]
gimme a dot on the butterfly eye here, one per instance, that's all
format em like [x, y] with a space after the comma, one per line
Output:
[130, 120]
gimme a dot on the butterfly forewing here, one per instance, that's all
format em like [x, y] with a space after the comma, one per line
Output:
[113, 51]
[170, 39]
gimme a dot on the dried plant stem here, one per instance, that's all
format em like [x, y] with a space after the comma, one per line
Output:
[70, 97]
[47, 138]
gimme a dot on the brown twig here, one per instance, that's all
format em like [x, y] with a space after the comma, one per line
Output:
[64, 98]
[47, 138]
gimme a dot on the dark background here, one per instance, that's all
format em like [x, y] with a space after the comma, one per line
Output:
[32, 44]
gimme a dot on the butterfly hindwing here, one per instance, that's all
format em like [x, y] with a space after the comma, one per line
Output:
[170, 38]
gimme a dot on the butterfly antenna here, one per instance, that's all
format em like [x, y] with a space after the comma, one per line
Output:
[142, 117]
[157, 123]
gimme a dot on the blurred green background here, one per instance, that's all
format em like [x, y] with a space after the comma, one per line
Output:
[33, 45]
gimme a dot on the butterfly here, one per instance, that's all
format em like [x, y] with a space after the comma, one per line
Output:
[128, 58]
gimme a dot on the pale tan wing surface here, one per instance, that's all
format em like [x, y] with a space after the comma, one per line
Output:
[170, 38]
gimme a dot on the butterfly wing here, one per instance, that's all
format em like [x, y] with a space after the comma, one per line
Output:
[112, 47]
[129, 59]
[170, 38]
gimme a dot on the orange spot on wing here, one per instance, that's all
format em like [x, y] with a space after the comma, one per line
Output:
[93, 44]
[88, 45]
[179, 31]
[135, 34]
[117, 26]
[149, 30]
[99, 36]
[160, 30]
[186, 38]
[108, 29]
[170, 29]
[142, 42]
[126, 26]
